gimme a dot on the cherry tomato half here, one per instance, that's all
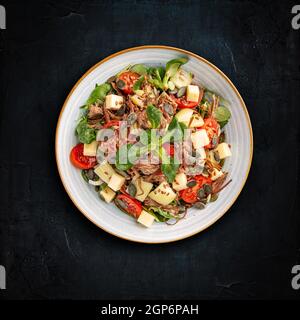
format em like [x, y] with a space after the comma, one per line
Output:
[182, 103]
[79, 160]
[212, 128]
[130, 205]
[189, 195]
[129, 78]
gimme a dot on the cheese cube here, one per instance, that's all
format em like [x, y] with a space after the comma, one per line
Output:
[192, 93]
[107, 194]
[113, 102]
[163, 194]
[196, 121]
[142, 189]
[90, 149]
[216, 174]
[223, 150]
[184, 116]
[146, 219]
[104, 171]
[180, 182]
[200, 139]
[116, 181]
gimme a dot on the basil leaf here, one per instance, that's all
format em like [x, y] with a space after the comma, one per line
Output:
[154, 115]
[175, 131]
[156, 83]
[174, 124]
[171, 68]
[170, 170]
[84, 175]
[172, 63]
[160, 72]
[84, 133]
[140, 69]
[169, 167]
[156, 76]
[222, 114]
[99, 93]
[157, 72]
[138, 83]
[122, 161]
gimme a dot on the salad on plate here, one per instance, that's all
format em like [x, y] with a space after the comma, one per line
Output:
[151, 140]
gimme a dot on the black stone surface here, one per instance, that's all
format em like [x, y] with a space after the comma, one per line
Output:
[50, 250]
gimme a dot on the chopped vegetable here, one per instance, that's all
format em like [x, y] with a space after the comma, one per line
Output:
[142, 189]
[192, 93]
[107, 194]
[223, 150]
[140, 69]
[104, 171]
[182, 78]
[171, 68]
[90, 149]
[85, 133]
[116, 181]
[190, 195]
[81, 161]
[146, 219]
[137, 85]
[129, 205]
[163, 194]
[184, 116]
[99, 93]
[113, 102]
[180, 182]
[129, 78]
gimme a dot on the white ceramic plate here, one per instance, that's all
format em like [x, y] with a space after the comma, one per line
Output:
[107, 216]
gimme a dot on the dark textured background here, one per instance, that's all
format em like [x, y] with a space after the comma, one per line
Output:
[50, 249]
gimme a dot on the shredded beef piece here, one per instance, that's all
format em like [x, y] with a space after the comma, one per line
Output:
[147, 169]
[142, 119]
[95, 112]
[106, 114]
[130, 104]
[155, 178]
[165, 98]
